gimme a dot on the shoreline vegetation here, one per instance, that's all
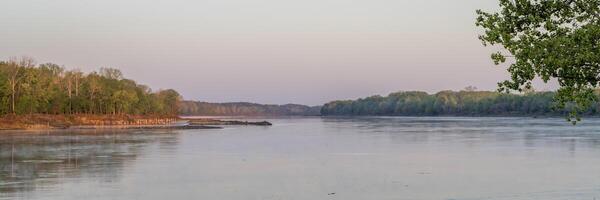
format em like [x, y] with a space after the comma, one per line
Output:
[48, 96]
[27, 89]
[198, 108]
[467, 102]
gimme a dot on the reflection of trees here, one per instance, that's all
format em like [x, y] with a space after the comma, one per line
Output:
[473, 132]
[47, 158]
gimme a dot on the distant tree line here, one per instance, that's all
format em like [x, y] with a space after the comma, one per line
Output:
[451, 103]
[246, 109]
[28, 88]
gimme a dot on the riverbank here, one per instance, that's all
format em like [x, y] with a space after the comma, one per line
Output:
[41, 121]
[44, 122]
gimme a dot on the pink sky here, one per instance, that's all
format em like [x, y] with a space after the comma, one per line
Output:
[267, 51]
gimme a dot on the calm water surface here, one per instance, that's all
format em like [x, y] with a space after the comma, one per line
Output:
[311, 158]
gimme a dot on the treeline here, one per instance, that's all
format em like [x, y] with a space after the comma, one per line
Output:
[28, 88]
[196, 108]
[450, 103]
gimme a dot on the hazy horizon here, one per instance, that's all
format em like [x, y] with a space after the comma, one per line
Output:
[264, 51]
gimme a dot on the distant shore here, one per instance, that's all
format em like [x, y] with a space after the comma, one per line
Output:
[80, 121]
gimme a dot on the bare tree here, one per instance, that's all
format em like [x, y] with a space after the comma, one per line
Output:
[111, 73]
[470, 88]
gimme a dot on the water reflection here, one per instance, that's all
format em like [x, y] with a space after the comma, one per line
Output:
[312, 158]
[38, 160]
[529, 132]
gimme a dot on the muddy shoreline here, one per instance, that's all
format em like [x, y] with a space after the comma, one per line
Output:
[51, 122]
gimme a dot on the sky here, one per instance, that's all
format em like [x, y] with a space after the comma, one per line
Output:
[266, 51]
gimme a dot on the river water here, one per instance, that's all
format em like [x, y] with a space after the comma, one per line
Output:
[311, 158]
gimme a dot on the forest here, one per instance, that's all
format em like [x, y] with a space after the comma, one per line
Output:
[197, 108]
[453, 103]
[29, 88]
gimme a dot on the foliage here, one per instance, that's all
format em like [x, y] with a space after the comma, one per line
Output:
[549, 39]
[450, 103]
[247, 109]
[26, 88]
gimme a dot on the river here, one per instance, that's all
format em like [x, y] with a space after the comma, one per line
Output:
[311, 158]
